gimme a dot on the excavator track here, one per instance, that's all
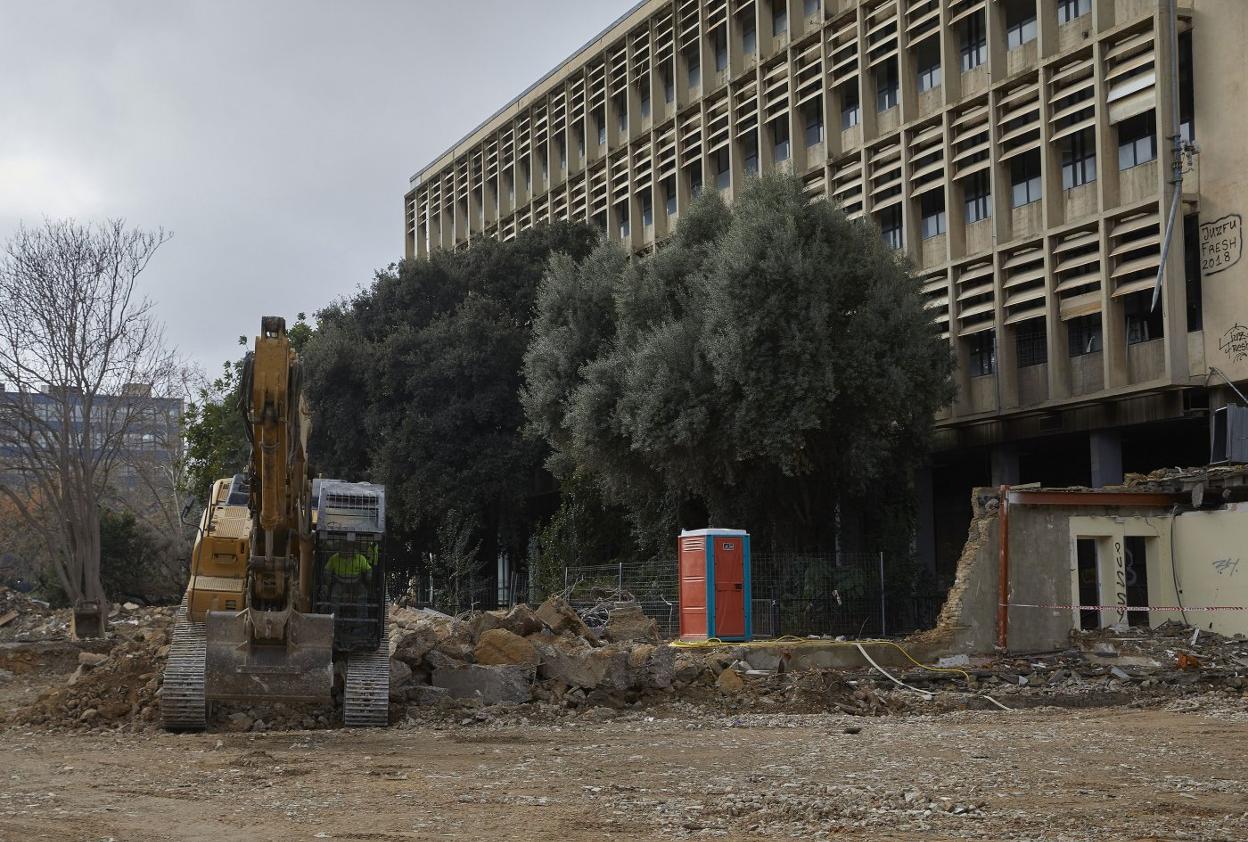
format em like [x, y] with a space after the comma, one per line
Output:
[182, 704]
[366, 694]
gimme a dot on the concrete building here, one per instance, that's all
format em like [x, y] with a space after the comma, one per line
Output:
[1022, 153]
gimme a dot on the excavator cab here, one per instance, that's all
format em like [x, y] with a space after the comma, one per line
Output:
[349, 572]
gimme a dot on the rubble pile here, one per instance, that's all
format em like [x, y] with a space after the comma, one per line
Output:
[23, 619]
[117, 688]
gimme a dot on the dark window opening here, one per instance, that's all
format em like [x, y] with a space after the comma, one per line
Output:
[851, 108]
[811, 7]
[983, 353]
[669, 196]
[974, 45]
[644, 101]
[779, 17]
[1089, 582]
[814, 124]
[1143, 324]
[694, 65]
[723, 170]
[1031, 343]
[749, 153]
[749, 34]
[978, 193]
[695, 181]
[1068, 10]
[1191, 271]
[647, 209]
[1084, 334]
[721, 48]
[1079, 159]
[1020, 23]
[933, 211]
[928, 60]
[887, 85]
[621, 213]
[669, 87]
[1025, 178]
[1187, 91]
[780, 140]
[1137, 140]
[890, 226]
[1135, 560]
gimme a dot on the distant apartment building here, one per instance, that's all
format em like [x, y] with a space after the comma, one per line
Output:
[1021, 153]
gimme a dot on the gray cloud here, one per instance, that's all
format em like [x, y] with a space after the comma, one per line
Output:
[274, 138]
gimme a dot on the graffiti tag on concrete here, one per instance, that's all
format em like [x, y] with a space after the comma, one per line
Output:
[1221, 243]
[1234, 343]
[1229, 566]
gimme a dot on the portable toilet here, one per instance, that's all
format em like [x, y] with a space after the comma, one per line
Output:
[714, 573]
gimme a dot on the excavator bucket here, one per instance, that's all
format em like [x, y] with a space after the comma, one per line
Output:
[243, 665]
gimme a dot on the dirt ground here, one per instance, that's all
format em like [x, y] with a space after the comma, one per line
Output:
[1176, 772]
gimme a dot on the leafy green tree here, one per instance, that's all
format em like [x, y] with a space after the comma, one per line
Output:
[414, 383]
[767, 368]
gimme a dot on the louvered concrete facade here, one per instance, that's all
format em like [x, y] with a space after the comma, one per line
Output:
[1019, 151]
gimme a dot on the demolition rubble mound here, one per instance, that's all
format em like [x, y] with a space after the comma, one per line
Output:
[23, 619]
[552, 662]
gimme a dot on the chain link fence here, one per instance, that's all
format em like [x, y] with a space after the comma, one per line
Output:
[851, 594]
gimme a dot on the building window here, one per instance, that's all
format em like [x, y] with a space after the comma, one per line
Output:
[621, 114]
[886, 85]
[749, 152]
[695, 181]
[814, 124]
[645, 102]
[1191, 269]
[1020, 23]
[1143, 324]
[721, 48]
[647, 209]
[890, 226]
[983, 355]
[780, 140]
[1187, 93]
[621, 211]
[694, 63]
[928, 59]
[723, 170]
[1068, 10]
[1079, 159]
[779, 17]
[602, 129]
[933, 209]
[1031, 343]
[526, 176]
[851, 108]
[978, 192]
[563, 153]
[749, 34]
[1137, 140]
[811, 7]
[1025, 178]
[974, 42]
[1084, 335]
[669, 86]
[669, 196]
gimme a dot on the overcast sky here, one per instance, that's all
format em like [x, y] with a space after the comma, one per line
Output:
[275, 138]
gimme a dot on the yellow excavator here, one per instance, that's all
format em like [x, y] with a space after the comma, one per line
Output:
[286, 598]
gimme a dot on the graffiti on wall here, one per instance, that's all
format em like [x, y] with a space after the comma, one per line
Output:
[1221, 243]
[1234, 343]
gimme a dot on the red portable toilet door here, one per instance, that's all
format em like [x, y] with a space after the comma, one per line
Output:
[729, 586]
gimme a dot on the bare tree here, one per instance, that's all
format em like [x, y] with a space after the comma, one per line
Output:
[82, 361]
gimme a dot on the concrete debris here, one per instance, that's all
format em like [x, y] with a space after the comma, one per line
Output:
[627, 623]
[559, 617]
[490, 685]
[499, 646]
[730, 681]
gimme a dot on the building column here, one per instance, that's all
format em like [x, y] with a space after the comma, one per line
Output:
[1005, 465]
[925, 528]
[1106, 448]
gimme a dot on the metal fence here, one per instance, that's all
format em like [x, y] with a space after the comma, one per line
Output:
[852, 594]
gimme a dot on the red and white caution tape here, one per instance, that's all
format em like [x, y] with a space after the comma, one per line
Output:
[1174, 608]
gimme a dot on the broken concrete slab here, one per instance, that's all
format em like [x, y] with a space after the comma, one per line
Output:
[488, 684]
[500, 646]
[560, 617]
[627, 623]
